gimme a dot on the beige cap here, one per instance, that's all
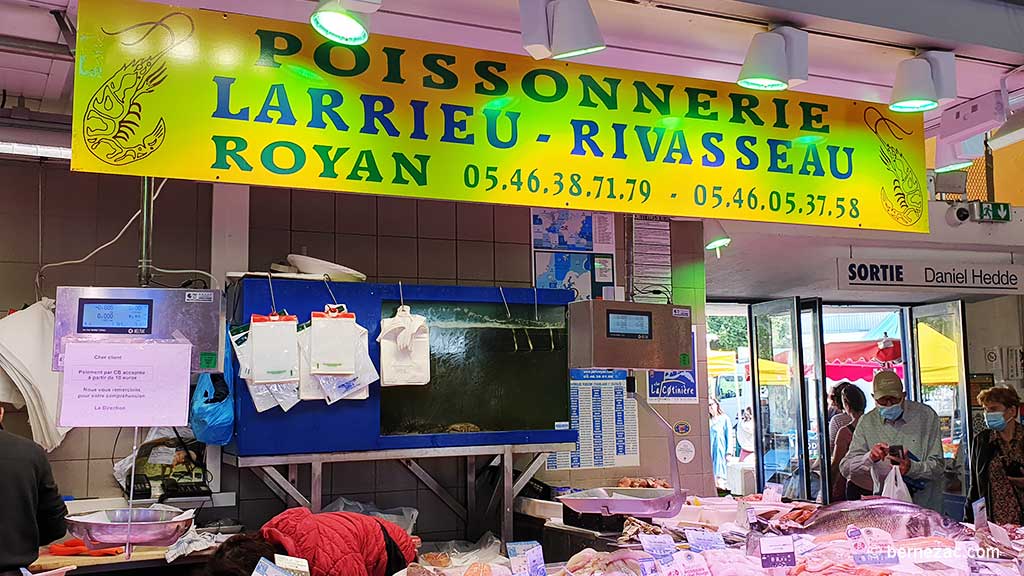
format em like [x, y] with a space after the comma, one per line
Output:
[887, 383]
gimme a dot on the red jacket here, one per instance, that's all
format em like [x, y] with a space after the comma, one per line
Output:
[337, 543]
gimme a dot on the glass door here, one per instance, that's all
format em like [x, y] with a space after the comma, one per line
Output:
[812, 346]
[940, 365]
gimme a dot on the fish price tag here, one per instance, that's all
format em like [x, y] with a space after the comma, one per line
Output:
[772, 492]
[1000, 535]
[686, 563]
[527, 558]
[777, 552]
[701, 540]
[871, 549]
[658, 545]
[980, 514]
[267, 568]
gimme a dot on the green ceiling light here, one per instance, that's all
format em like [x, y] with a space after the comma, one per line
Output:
[344, 21]
[715, 237]
[922, 82]
[776, 60]
[953, 167]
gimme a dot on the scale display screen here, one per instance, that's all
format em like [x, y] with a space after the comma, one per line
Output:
[633, 325]
[115, 316]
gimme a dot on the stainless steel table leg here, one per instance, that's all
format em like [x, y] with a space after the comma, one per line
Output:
[316, 486]
[506, 517]
[471, 514]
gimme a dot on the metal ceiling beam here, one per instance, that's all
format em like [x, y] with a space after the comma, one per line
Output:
[35, 48]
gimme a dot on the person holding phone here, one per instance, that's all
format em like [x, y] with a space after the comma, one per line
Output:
[898, 433]
[997, 463]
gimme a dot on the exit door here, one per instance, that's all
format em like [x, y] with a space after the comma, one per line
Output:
[787, 371]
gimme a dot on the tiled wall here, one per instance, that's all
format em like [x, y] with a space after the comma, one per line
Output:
[79, 212]
[392, 239]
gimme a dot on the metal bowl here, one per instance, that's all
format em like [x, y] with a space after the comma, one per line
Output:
[110, 527]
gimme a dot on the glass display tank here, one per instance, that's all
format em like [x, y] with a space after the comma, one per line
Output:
[493, 368]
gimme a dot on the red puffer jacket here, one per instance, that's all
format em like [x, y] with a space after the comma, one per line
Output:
[337, 543]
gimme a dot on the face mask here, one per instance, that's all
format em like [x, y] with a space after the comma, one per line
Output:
[891, 412]
[995, 420]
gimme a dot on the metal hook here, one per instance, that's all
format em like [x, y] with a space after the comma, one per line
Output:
[507, 311]
[273, 302]
[329, 291]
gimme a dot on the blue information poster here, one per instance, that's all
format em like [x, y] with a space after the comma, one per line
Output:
[606, 421]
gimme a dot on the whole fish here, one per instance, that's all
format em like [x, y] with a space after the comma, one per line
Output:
[900, 519]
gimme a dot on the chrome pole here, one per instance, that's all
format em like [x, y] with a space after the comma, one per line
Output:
[146, 232]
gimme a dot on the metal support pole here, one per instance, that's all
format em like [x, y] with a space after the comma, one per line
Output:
[508, 496]
[146, 232]
[471, 495]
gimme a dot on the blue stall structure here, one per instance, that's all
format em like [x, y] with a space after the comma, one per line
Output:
[314, 433]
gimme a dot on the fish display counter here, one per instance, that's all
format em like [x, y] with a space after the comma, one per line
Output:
[755, 536]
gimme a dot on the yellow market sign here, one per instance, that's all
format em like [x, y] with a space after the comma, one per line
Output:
[179, 93]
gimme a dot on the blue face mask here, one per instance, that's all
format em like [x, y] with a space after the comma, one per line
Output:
[891, 412]
[995, 420]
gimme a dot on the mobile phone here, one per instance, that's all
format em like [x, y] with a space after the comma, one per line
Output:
[896, 451]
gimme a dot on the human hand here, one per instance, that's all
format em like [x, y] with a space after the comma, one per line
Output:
[904, 465]
[878, 452]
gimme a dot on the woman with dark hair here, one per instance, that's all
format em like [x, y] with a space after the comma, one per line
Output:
[837, 415]
[997, 459]
[854, 403]
[334, 544]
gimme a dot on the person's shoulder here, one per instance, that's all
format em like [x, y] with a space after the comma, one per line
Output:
[17, 447]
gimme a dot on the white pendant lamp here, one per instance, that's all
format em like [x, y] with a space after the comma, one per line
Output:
[559, 28]
[914, 90]
[574, 29]
[344, 21]
[776, 60]
[924, 81]
[715, 236]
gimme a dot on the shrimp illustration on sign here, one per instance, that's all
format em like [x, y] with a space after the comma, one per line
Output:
[904, 201]
[115, 111]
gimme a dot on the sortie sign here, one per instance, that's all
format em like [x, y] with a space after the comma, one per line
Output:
[868, 274]
[181, 93]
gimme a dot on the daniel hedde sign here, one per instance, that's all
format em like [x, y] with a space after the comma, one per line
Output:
[870, 274]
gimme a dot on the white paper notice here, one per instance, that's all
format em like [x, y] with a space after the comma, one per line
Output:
[604, 233]
[109, 385]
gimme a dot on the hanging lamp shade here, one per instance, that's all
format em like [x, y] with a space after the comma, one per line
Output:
[914, 90]
[765, 67]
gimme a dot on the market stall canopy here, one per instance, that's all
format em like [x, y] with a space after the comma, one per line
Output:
[721, 362]
[938, 356]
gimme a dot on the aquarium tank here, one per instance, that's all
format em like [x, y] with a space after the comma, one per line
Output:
[493, 368]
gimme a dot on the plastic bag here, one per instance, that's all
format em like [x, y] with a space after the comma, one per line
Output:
[895, 488]
[213, 421]
[404, 517]
[486, 550]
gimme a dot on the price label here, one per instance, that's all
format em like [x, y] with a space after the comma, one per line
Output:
[701, 540]
[658, 545]
[980, 514]
[777, 552]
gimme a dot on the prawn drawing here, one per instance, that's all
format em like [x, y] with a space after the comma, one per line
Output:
[114, 112]
[904, 201]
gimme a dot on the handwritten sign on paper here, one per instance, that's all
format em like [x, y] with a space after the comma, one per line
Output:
[125, 384]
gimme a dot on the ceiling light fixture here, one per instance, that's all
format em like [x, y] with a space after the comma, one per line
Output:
[559, 28]
[952, 155]
[924, 81]
[1009, 133]
[776, 60]
[344, 21]
[715, 236]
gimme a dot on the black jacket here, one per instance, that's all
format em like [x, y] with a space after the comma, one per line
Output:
[31, 509]
[983, 450]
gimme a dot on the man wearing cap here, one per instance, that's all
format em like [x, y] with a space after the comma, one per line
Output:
[899, 422]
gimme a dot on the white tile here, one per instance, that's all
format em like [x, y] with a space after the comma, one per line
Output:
[74, 447]
[101, 480]
[72, 477]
